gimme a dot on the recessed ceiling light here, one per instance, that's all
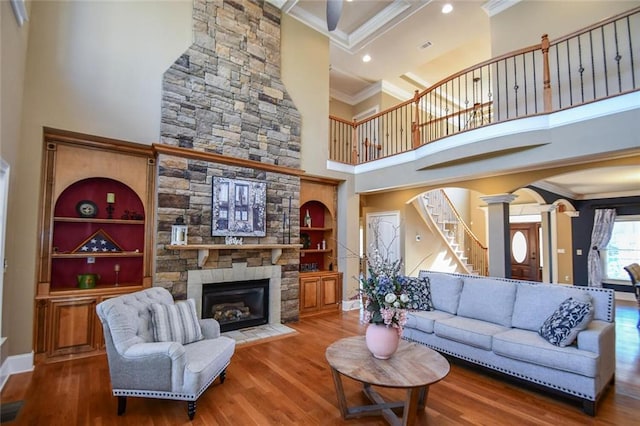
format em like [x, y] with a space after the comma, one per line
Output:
[447, 8]
[366, 58]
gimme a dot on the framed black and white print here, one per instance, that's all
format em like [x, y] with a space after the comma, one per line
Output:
[238, 207]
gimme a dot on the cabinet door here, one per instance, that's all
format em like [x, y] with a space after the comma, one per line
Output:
[330, 290]
[309, 293]
[73, 326]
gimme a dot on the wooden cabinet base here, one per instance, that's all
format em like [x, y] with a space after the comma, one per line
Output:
[320, 292]
[67, 326]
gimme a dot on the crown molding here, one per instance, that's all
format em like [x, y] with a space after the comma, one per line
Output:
[372, 90]
[494, 7]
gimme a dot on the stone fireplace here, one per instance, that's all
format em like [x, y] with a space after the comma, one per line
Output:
[225, 113]
[198, 279]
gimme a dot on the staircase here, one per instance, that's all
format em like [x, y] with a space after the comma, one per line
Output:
[441, 215]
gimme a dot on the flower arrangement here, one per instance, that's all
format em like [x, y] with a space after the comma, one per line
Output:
[385, 293]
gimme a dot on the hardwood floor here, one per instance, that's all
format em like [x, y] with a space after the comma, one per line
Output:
[287, 382]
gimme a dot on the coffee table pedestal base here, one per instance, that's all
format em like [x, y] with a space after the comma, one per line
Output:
[414, 403]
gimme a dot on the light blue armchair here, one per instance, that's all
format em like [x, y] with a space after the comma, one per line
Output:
[143, 367]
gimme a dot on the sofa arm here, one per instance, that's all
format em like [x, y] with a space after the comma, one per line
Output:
[598, 337]
[210, 328]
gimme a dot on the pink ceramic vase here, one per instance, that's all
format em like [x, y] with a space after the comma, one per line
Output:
[382, 341]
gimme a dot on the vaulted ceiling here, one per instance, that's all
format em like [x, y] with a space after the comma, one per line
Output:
[412, 46]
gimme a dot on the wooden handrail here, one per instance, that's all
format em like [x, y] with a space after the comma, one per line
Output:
[462, 222]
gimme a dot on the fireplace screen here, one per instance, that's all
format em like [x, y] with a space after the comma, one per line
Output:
[238, 304]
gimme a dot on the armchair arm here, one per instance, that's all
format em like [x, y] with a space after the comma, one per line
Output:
[157, 366]
[173, 350]
[210, 328]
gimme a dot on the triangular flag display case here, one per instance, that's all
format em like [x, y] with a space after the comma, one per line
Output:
[99, 242]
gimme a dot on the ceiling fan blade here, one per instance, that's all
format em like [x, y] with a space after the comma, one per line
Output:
[334, 9]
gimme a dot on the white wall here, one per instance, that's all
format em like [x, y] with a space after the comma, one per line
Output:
[14, 40]
[92, 67]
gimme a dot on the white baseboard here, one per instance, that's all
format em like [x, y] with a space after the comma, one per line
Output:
[350, 305]
[15, 364]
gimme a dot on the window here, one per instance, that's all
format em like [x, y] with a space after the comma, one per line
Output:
[623, 248]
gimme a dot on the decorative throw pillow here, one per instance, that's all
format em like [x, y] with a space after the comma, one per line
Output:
[419, 291]
[563, 326]
[176, 323]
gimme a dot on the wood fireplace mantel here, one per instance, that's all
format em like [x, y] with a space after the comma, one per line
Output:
[203, 249]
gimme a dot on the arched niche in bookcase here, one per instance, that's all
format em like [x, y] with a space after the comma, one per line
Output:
[98, 228]
[316, 237]
[320, 281]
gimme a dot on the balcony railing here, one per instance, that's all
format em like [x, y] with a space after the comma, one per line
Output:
[586, 66]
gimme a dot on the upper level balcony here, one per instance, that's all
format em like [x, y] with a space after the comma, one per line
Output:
[545, 99]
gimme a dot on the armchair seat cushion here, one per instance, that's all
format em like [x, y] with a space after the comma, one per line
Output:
[206, 359]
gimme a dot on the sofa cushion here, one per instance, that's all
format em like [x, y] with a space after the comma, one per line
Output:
[528, 346]
[175, 322]
[419, 294]
[424, 320]
[562, 327]
[445, 291]
[536, 302]
[487, 300]
[468, 331]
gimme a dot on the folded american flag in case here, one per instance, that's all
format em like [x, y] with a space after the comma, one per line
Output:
[98, 242]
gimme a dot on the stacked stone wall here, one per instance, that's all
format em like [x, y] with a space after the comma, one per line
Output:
[224, 96]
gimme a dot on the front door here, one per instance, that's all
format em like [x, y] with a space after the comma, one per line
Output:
[525, 259]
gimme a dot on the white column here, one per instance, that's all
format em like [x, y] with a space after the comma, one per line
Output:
[499, 240]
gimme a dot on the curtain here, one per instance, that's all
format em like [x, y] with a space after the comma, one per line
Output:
[602, 227]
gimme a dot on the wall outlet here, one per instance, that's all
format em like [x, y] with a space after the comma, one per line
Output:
[579, 252]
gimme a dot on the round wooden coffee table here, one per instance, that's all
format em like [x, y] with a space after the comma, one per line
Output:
[413, 367]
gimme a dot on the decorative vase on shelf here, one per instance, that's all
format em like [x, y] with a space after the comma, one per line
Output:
[382, 341]
[307, 219]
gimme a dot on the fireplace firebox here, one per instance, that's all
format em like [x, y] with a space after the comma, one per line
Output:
[238, 304]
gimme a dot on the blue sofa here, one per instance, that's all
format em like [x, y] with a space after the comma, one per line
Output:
[494, 323]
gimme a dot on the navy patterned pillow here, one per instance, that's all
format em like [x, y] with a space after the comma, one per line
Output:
[419, 291]
[563, 326]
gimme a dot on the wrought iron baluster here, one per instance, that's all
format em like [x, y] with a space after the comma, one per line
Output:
[604, 60]
[569, 74]
[593, 64]
[618, 56]
[535, 83]
[557, 49]
[633, 69]
[581, 69]
[515, 83]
